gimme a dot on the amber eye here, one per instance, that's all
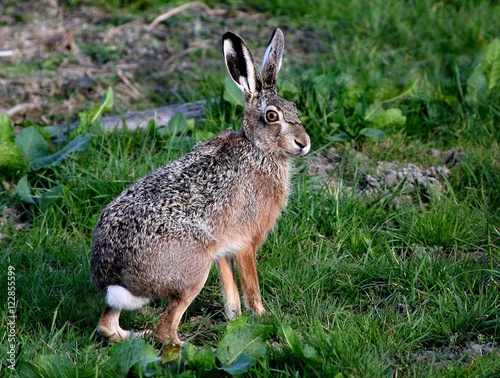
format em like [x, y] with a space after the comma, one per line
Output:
[272, 116]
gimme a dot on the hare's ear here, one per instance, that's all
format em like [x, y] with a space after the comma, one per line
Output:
[272, 59]
[241, 65]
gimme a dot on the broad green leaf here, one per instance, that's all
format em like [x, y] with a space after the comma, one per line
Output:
[485, 78]
[237, 323]
[24, 191]
[106, 106]
[291, 339]
[32, 144]
[477, 86]
[360, 108]
[124, 355]
[52, 131]
[48, 196]
[149, 367]
[248, 340]
[323, 84]
[340, 117]
[190, 124]
[491, 64]
[200, 358]
[203, 135]
[374, 134]
[88, 117]
[77, 144]
[339, 137]
[300, 349]
[238, 366]
[375, 107]
[309, 352]
[351, 97]
[177, 125]
[406, 90]
[43, 131]
[232, 93]
[389, 117]
[10, 155]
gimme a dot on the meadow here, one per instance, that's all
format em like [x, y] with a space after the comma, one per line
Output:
[386, 261]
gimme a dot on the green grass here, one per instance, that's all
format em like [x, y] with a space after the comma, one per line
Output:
[372, 288]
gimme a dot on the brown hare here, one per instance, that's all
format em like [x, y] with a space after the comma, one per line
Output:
[217, 203]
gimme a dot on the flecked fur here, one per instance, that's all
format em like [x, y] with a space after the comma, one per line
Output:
[160, 236]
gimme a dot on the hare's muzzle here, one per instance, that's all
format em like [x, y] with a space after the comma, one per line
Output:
[303, 146]
[302, 142]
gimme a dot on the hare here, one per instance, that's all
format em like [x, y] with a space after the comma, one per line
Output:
[159, 237]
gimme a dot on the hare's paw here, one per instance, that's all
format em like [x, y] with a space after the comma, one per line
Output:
[255, 305]
[232, 310]
[112, 334]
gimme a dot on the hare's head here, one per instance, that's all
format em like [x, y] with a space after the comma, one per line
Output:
[270, 122]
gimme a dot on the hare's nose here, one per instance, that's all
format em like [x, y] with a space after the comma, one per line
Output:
[300, 145]
[304, 148]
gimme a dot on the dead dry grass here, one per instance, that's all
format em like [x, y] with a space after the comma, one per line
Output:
[59, 61]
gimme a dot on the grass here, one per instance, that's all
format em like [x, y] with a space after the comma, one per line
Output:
[372, 287]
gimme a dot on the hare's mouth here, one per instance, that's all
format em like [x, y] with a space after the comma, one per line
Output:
[300, 148]
[296, 152]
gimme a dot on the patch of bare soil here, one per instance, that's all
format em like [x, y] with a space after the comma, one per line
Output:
[10, 220]
[388, 177]
[58, 61]
[440, 355]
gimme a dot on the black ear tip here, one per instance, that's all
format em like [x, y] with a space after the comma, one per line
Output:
[227, 35]
[231, 36]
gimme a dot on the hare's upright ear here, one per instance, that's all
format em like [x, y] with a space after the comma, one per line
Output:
[241, 65]
[272, 59]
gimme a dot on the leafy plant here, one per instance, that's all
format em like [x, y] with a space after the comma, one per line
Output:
[345, 111]
[484, 81]
[31, 150]
[89, 118]
[243, 344]
[11, 157]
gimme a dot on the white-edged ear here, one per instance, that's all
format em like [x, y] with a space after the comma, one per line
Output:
[272, 59]
[241, 65]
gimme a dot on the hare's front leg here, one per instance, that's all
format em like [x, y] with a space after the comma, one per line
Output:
[229, 287]
[247, 266]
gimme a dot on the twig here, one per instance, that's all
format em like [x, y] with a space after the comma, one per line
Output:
[182, 53]
[172, 12]
[7, 53]
[134, 91]
[22, 108]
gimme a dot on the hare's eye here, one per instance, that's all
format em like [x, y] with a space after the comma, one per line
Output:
[272, 116]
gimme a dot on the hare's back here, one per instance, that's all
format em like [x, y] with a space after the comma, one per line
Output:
[179, 199]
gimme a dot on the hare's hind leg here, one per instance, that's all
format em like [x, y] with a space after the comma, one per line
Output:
[109, 327]
[166, 332]
[229, 287]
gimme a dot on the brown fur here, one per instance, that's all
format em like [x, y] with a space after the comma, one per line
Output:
[160, 236]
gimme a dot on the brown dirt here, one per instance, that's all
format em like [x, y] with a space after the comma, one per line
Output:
[59, 61]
